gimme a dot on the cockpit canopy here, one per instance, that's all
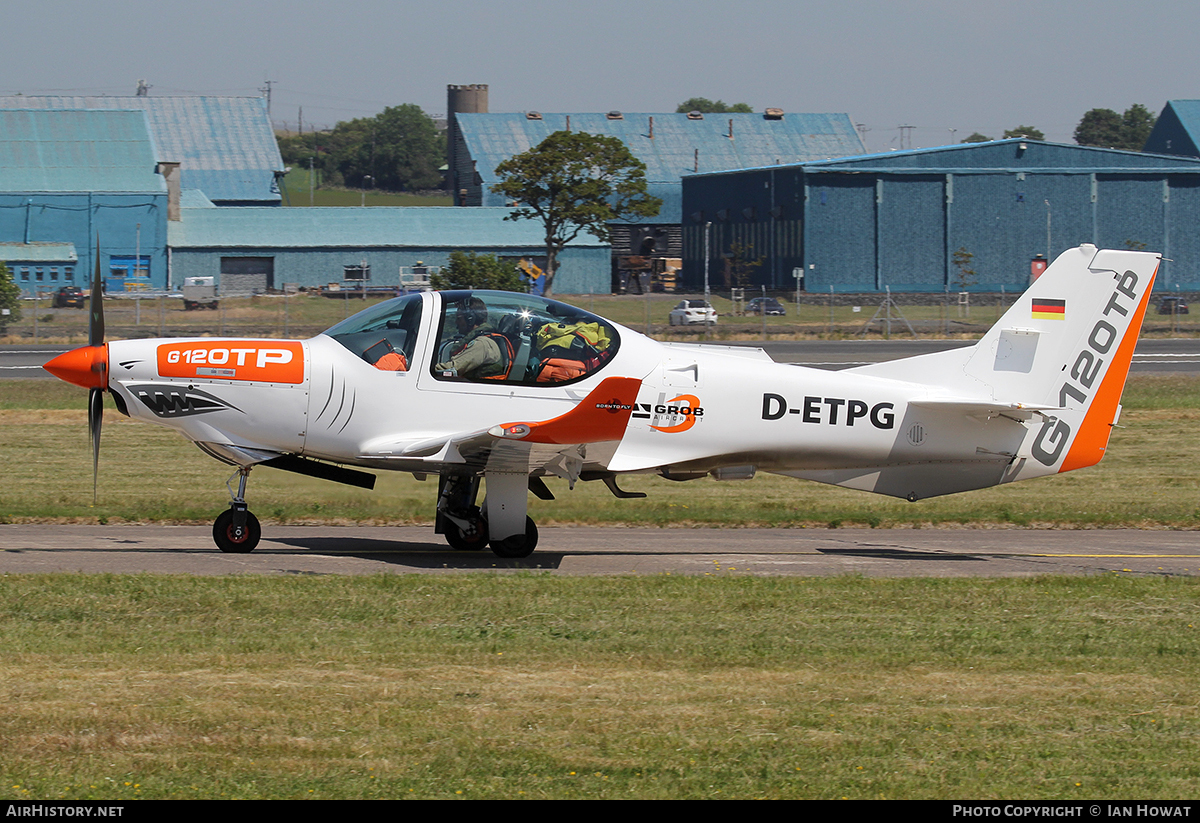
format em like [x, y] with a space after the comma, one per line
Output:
[485, 337]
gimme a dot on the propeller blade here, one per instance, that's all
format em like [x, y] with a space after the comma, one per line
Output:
[96, 395]
[96, 305]
[95, 420]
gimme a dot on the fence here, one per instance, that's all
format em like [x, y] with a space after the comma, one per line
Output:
[292, 315]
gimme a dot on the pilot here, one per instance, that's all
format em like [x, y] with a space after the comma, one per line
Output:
[478, 356]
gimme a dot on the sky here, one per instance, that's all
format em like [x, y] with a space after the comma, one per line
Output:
[946, 69]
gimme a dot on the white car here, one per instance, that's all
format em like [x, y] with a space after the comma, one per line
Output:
[689, 312]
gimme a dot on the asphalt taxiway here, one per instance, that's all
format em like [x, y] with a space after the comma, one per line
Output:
[307, 550]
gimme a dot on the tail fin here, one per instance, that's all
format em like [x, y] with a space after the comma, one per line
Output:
[1064, 348]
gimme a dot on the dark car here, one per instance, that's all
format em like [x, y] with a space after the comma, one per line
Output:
[68, 297]
[1172, 305]
[765, 305]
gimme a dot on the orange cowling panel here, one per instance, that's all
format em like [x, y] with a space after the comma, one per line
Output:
[86, 366]
[600, 416]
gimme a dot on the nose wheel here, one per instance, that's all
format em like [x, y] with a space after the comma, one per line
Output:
[236, 530]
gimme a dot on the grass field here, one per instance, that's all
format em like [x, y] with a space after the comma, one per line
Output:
[1150, 478]
[656, 687]
[297, 193]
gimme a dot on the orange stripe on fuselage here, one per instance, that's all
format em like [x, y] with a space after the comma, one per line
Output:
[600, 416]
[1092, 439]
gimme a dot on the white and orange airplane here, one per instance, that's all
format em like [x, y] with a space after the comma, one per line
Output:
[510, 388]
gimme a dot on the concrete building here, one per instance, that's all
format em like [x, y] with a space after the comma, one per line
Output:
[897, 220]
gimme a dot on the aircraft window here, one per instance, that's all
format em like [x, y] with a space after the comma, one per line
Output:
[384, 335]
[519, 338]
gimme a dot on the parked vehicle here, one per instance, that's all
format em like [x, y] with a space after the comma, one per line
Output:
[199, 293]
[1172, 305]
[690, 312]
[68, 297]
[765, 305]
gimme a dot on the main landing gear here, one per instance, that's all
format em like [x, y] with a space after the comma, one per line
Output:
[236, 530]
[504, 526]
[502, 522]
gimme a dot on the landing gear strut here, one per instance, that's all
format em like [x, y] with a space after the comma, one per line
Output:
[236, 530]
[458, 518]
[504, 526]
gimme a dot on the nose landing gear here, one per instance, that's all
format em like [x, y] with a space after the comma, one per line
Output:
[236, 530]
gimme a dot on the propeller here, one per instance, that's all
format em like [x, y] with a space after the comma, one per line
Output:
[87, 366]
[96, 393]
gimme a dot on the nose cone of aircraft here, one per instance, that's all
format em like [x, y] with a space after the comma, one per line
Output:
[86, 366]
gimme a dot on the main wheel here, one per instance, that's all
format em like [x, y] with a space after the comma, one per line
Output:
[518, 545]
[467, 542]
[234, 540]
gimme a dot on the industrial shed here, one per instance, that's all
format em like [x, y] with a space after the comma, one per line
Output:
[225, 145]
[70, 176]
[1177, 130]
[252, 249]
[671, 145]
[896, 220]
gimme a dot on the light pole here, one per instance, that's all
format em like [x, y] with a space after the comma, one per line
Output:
[366, 177]
[707, 226]
[1047, 202]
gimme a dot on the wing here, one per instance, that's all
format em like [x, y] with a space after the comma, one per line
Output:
[559, 445]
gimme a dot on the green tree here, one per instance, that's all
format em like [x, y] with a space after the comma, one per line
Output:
[703, 104]
[740, 264]
[962, 260]
[399, 149]
[978, 138]
[574, 182]
[10, 298]
[1099, 127]
[1025, 131]
[1136, 123]
[468, 270]
[1107, 129]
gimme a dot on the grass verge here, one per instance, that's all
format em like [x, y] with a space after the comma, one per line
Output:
[657, 687]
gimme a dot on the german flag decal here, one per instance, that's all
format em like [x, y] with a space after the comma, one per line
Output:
[1045, 308]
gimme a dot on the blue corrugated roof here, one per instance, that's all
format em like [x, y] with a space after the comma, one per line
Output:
[76, 151]
[39, 252]
[1004, 155]
[225, 145]
[678, 144]
[370, 227]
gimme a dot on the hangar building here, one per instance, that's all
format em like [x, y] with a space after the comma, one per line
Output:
[673, 146]
[225, 146]
[896, 220]
[254, 249]
[68, 176]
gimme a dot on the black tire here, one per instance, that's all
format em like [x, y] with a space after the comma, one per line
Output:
[519, 545]
[467, 543]
[233, 541]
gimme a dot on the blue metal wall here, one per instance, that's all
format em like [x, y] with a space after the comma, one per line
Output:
[896, 221]
[581, 270]
[32, 217]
